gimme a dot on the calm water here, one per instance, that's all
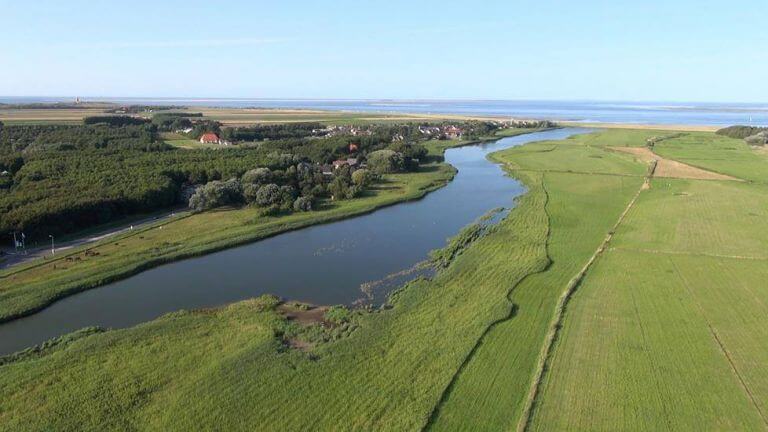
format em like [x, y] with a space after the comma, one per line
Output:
[324, 264]
[694, 113]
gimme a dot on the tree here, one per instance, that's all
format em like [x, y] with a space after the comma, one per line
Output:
[268, 195]
[257, 176]
[362, 178]
[250, 192]
[386, 161]
[303, 203]
[216, 194]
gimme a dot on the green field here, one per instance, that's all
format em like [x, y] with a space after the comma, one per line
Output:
[717, 153]
[669, 329]
[666, 330]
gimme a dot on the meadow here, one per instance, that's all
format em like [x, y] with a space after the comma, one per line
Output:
[668, 330]
[665, 331]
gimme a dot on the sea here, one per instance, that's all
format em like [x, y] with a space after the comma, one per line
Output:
[661, 113]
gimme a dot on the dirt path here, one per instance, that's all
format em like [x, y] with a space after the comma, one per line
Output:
[670, 168]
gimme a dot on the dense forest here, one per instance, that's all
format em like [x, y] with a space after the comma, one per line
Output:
[58, 179]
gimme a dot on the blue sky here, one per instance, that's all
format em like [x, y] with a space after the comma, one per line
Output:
[673, 50]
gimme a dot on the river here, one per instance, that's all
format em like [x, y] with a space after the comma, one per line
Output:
[322, 264]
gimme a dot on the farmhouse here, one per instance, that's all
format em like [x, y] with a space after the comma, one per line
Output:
[209, 138]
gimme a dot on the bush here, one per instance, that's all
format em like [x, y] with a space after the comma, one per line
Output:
[338, 315]
[250, 192]
[757, 139]
[740, 132]
[266, 302]
[303, 204]
[362, 177]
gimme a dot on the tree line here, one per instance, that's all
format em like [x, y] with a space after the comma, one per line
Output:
[63, 178]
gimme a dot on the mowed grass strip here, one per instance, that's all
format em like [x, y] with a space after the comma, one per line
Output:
[637, 351]
[490, 390]
[489, 393]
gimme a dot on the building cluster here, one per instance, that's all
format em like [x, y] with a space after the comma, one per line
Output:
[352, 162]
[446, 131]
[335, 130]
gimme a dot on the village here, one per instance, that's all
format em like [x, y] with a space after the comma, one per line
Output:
[440, 131]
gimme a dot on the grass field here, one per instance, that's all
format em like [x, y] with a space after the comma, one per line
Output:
[669, 329]
[717, 153]
[666, 331]
[227, 116]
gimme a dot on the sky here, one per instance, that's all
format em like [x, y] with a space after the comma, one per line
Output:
[653, 50]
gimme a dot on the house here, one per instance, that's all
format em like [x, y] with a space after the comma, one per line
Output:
[352, 162]
[327, 170]
[4, 173]
[186, 130]
[339, 163]
[209, 138]
[453, 132]
[353, 148]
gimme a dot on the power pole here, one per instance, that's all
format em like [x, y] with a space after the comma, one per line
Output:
[53, 245]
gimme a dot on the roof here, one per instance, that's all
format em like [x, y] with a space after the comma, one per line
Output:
[210, 136]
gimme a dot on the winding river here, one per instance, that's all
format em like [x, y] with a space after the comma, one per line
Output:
[323, 264]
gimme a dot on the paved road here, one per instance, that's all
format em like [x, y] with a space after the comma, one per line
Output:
[10, 258]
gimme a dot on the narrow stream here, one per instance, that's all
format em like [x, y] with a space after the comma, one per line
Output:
[323, 264]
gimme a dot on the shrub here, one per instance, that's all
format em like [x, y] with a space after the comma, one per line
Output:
[338, 315]
[740, 132]
[266, 302]
[362, 177]
[758, 138]
[302, 203]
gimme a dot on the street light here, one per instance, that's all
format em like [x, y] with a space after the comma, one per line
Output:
[53, 246]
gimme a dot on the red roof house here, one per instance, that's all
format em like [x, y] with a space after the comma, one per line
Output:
[209, 138]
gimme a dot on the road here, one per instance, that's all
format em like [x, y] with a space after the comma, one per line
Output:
[11, 258]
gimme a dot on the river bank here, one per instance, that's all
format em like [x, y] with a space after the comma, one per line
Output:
[225, 229]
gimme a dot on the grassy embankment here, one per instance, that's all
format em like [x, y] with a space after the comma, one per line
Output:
[639, 347]
[387, 374]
